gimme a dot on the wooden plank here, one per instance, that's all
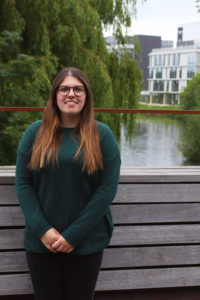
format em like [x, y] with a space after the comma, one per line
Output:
[16, 284]
[133, 174]
[14, 261]
[7, 179]
[145, 193]
[132, 193]
[11, 239]
[125, 236]
[121, 258]
[155, 235]
[148, 278]
[160, 174]
[151, 256]
[125, 214]
[8, 194]
[156, 213]
[11, 216]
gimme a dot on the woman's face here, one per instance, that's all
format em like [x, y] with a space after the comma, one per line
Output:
[70, 97]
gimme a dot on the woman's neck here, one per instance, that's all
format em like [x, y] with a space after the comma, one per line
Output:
[70, 121]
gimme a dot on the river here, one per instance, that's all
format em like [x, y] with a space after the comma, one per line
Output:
[155, 143]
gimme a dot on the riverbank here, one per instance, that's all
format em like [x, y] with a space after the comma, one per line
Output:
[159, 106]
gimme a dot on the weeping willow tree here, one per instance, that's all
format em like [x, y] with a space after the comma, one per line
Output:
[40, 37]
[190, 133]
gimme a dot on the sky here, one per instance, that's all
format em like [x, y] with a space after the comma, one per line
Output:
[162, 17]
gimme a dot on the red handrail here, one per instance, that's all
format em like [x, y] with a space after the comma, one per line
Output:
[109, 110]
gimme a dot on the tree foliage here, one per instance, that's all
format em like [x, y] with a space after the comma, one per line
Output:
[40, 37]
[190, 135]
[198, 5]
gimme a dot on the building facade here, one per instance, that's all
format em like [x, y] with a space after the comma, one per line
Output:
[169, 71]
[147, 43]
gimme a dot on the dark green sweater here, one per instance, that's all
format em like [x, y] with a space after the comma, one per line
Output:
[73, 202]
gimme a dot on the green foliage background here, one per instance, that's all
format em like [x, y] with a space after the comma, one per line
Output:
[190, 133]
[40, 37]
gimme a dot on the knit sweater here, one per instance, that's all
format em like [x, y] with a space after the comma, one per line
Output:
[65, 197]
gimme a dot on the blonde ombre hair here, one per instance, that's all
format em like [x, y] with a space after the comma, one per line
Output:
[46, 145]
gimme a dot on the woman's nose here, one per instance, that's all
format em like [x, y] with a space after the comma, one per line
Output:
[71, 92]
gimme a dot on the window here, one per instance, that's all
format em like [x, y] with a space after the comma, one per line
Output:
[158, 85]
[159, 73]
[190, 72]
[174, 86]
[180, 73]
[157, 98]
[176, 59]
[157, 60]
[173, 71]
[172, 99]
[167, 86]
[150, 73]
[191, 59]
[169, 59]
[162, 60]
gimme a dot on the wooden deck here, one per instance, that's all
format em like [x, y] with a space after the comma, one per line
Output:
[155, 244]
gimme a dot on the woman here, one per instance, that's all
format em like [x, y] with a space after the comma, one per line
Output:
[67, 173]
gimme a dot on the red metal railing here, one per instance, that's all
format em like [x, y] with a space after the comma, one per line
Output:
[109, 110]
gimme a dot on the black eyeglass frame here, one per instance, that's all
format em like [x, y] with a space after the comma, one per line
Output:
[73, 88]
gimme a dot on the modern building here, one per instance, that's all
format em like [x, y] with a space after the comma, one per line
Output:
[112, 45]
[171, 68]
[147, 43]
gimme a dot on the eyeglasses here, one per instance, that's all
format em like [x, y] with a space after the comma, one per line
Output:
[78, 90]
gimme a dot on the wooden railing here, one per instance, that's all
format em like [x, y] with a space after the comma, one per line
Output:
[109, 110]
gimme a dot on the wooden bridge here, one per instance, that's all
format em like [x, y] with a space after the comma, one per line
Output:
[155, 248]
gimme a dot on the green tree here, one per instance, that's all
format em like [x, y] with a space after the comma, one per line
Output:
[190, 134]
[39, 37]
[198, 5]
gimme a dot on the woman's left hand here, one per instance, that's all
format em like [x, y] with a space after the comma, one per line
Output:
[61, 245]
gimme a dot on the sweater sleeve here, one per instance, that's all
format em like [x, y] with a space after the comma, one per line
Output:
[102, 197]
[26, 195]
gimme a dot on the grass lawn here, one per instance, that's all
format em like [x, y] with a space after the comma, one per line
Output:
[159, 106]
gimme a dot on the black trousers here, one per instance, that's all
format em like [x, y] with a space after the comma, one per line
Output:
[64, 276]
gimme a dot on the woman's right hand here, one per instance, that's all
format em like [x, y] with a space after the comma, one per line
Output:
[49, 238]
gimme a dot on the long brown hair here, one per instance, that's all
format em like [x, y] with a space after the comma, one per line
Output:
[46, 146]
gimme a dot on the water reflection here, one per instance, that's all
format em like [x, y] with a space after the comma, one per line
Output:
[154, 144]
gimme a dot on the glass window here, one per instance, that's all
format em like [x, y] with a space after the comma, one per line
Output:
[172, 99]
[150, 73]
[167, 86]
[180, 73]
[157, 60]
[191, 58]
[175, 86]
[162, 60]
[176, 59]
[157, 98]
[173, 72]
[169, 59]
[158, 85]
[190, 72]
[159, 73]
